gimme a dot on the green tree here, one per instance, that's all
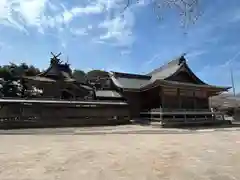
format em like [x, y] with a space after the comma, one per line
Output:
[32, 71]
[12, 84]
[11, 89]
[5, 72]
[79, 75]
[95, 74]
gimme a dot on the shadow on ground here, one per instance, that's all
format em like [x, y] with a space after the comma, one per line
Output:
[135, 128]
[206, 126]
[218, 125]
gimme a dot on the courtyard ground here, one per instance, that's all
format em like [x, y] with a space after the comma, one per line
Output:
[124, 152]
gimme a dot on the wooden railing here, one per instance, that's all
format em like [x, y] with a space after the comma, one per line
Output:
[166, 116]
[179, 110]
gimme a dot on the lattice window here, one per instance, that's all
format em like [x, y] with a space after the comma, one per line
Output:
[170, 91]
[187, 93]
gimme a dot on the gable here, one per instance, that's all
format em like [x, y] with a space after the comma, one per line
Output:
[183, 77]
[185, 74]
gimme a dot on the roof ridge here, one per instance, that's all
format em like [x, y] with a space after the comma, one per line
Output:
[133, 75]
[129, 73]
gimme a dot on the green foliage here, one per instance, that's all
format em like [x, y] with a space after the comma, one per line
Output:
[13, 71]
[5, 73]
[13, 85]
[94, 74]
[11, 78]
[11, 89]
[79, 75]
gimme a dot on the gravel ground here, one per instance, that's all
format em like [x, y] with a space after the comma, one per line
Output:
[188, 156]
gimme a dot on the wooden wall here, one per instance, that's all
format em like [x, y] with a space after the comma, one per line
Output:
[151, 98]
[37, 115]
[175, 98]
[202, 103]
[236, 115]
[134, 101]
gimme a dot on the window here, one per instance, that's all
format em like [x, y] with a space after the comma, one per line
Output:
[188, 93]
[170, 91]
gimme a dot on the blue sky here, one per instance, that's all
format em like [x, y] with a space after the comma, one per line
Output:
[92, 34]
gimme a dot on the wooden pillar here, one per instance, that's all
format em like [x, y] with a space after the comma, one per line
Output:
[179, 98]
[194, 101]
[208, 95]
[162, 97]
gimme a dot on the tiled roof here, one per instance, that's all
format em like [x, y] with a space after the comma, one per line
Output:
[160, 75]
[55, 72]
[129, 81]
[39, 78]
[108, 93]
[167, 69]
[69, 80]
[86, 87]
[66, 75]
[58, 71]
[183, 84]
[135, 81]
[130, 75]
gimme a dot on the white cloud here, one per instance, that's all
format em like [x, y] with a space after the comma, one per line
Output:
[125, 52]
[116, 27]
[63, 44]
[31, 11]
[79, 31]
[235, 17]
[156, 57]
[68, 15]
[196, 53]
[6, 15]
[119, 29]
[4, 46]
[114, 67]
[21, 13]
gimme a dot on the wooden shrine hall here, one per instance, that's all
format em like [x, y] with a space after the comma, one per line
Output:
[171, 91]
[57, 82]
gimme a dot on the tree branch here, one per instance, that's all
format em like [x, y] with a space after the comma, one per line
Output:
[188, 9]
